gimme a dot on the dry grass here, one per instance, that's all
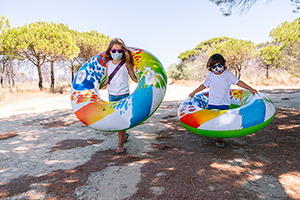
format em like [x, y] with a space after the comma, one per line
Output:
[254, 80]
[274, 80]
[26, 91]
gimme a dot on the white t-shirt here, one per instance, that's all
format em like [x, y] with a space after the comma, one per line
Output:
[119, 83]
[219, 87]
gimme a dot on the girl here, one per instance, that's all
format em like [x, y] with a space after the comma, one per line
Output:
[118, 87]
[218, 80]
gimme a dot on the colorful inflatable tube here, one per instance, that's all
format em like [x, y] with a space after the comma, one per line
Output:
[247, 114]
[126, 113]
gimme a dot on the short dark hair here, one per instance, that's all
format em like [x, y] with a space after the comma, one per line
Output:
[216, 58]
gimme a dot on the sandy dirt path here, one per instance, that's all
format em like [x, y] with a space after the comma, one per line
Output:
[47, 153]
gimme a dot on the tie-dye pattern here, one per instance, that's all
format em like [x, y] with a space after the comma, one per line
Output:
[248, 114]
[126, 113]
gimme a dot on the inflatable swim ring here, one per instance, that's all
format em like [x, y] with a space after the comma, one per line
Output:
[247, 114]
[126, 113]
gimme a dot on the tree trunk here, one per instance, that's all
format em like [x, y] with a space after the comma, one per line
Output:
[9, 73]
[235, 71]
[267, 71]
[239, 74]
[8, 78]
[2, 73]
[12, 74]
[52, 76]
[1, 81]
[40, 77]
[238, 71]
[72, 71]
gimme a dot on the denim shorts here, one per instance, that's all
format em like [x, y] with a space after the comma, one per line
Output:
[219, 107]
[117, 97]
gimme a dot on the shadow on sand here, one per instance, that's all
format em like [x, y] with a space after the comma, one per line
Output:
[183, 165]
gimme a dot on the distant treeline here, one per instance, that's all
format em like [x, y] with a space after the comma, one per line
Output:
[48, 44]
[40, 43]
[282, 52]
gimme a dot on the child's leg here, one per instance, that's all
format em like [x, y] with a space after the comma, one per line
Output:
[121, 149]
[121, 135]
[219, 141]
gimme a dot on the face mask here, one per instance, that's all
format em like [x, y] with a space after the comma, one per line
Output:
[116, 56]
[217, 69]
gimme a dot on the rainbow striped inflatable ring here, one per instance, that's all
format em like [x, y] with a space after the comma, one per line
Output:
[247, 114]
[126, 113]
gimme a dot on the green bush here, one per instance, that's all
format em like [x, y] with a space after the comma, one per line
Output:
[175, 71]
[195, 70]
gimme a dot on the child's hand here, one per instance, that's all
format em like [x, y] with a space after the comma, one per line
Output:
[191, 95]
[200, 88]
[253, 91]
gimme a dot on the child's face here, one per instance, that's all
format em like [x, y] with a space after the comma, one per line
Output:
[218, 68]
[116, 47]
[116, 52]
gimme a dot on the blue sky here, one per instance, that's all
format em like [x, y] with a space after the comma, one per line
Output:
[164, 27]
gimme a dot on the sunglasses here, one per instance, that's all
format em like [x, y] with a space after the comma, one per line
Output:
[218, 65]
[115, 50]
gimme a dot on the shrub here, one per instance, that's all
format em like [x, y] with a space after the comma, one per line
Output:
[195, 70]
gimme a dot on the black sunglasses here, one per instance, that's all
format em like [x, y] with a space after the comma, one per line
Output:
[218, 65]
[115, 50]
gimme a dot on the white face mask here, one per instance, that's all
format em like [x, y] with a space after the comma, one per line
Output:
[116, 56]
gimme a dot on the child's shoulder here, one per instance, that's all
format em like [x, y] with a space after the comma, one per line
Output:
[228, 72]
[210, 74]
[110, 62]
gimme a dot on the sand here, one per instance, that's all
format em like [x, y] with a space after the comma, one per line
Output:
[47, 153]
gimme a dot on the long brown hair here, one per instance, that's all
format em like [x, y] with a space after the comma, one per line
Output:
[126, 55]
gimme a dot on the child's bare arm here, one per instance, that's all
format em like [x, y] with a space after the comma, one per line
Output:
[132, 75]
[244, 85]
[105, 82]
[198, 89]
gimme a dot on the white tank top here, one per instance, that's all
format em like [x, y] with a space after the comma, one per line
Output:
[119, 83]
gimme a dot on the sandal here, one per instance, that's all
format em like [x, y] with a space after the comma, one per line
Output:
[120, 150]
[126, 137]
[219, 143]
